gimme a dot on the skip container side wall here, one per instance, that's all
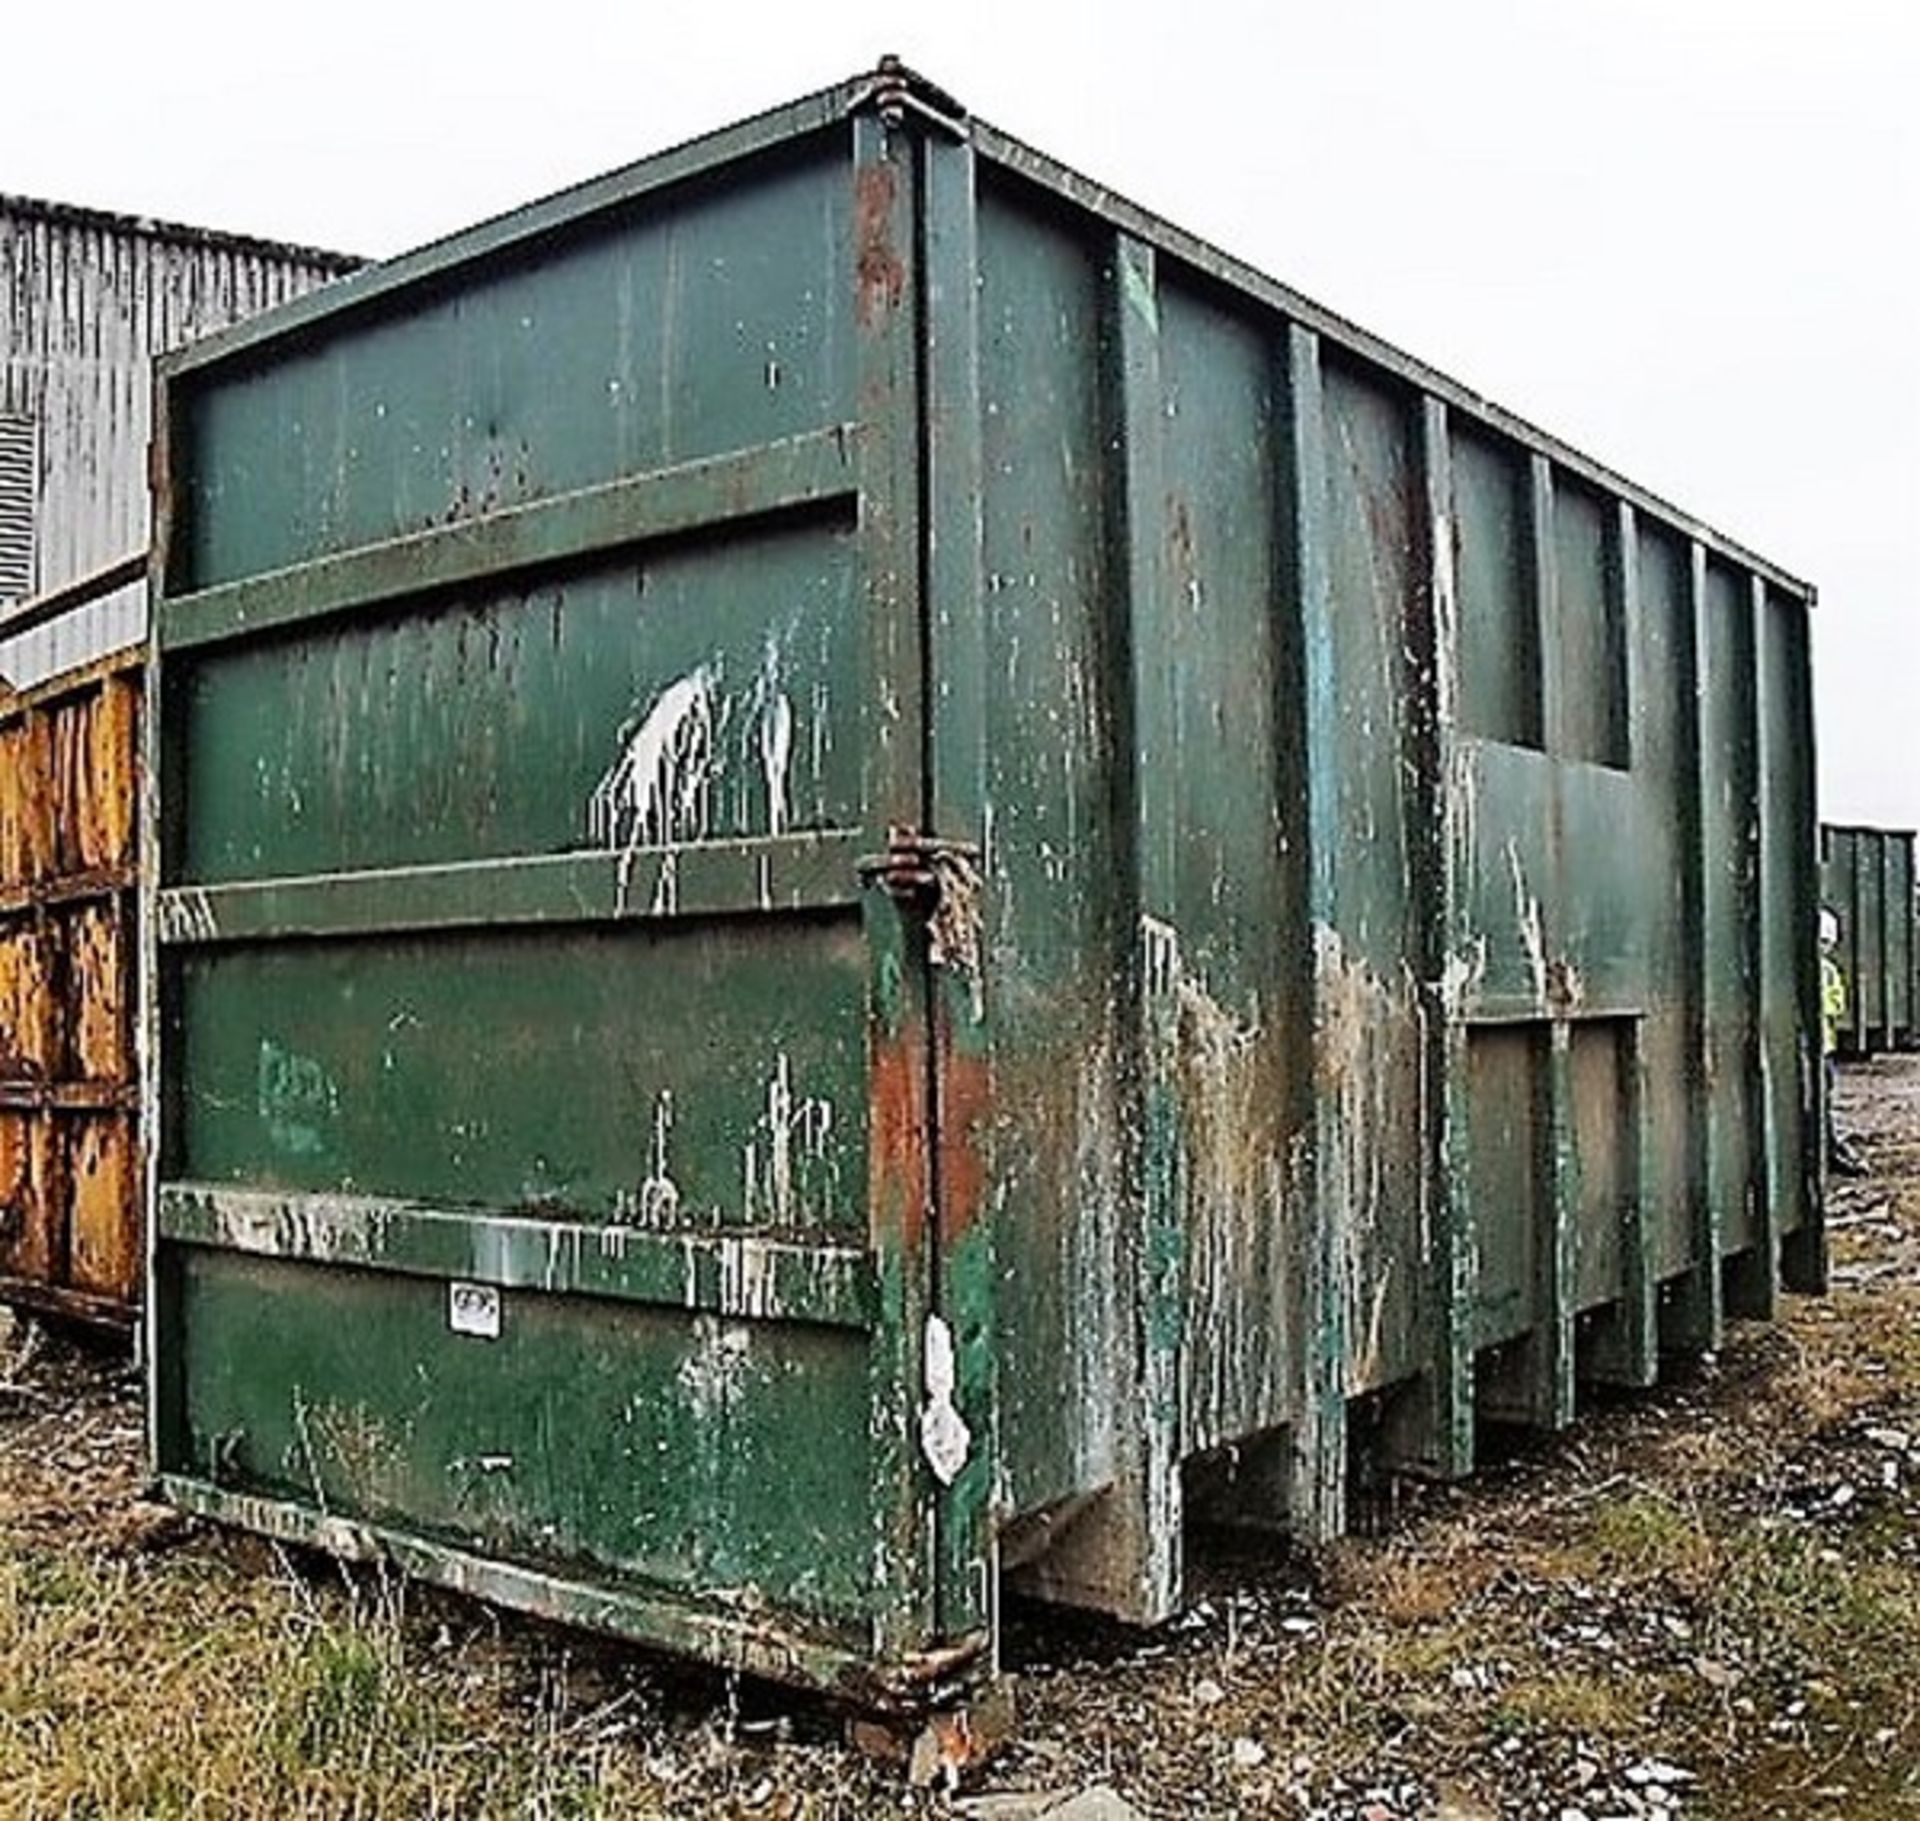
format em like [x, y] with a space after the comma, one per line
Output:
[868, 871]
[70, 1175]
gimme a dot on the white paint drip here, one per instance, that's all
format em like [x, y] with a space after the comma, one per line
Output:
[1160, 950]
[794, 1133]
[666, 885]
[659, 1193]
[664, 789]
[1527, 912]
[747, 1280]
[776, 745]
[658, 791]
[1445, 618]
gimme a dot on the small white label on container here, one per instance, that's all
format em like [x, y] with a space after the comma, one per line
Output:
[474, 1309]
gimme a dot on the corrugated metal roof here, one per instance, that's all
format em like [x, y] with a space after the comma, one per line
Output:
[87, 300]
[69, 214]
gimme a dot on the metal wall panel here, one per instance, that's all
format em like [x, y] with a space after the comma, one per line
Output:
[88, 300]
[70, 1178]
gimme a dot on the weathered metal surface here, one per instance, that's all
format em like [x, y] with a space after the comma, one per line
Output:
[70, 1180]
[981, 864]
[1868, 880]
[89, 299]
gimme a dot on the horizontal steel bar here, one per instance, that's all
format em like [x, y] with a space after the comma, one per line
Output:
[68, 1097]
[690, 496]
[747, 1277]
[1523, 1008]
[758, 1643]
[73, 888]
[1045, 173]
[43, 609]
[65, 1301]
[786, 873]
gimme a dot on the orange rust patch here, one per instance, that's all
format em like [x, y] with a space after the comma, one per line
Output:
[105, 1223]
[69, 834]
[897, 1151]
[966, 1103]
[881, 275]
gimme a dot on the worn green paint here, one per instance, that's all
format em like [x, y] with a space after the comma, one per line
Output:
[841, 749]
[745, 1276]
[675, 1448]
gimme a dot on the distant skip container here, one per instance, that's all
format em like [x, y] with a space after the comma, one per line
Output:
[1868, 881]
[871, 874]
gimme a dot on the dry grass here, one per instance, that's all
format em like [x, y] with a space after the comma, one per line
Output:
[1682, 1577]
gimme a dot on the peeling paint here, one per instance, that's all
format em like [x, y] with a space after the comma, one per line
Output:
[714, 1374]
[298, 1100]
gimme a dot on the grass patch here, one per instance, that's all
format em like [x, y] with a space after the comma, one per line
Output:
[1650, 1536]
[1589, 1706]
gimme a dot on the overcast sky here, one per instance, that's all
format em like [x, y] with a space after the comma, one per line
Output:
[1682, 234]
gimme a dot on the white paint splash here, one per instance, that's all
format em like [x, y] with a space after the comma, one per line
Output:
[944, 1437]
[1461, 975]
[658, 791]
[666, 787]
[748, 1284]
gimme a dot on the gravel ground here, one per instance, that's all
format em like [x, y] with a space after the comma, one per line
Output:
[1703, 1602]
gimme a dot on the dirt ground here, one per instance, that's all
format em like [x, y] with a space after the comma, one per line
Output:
[1703, 1602]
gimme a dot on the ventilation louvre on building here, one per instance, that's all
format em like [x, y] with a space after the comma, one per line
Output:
[17, 489]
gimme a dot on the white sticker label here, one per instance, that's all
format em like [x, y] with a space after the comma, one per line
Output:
[474, 1309]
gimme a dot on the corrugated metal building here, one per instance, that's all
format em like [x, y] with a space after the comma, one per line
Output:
[86, 300]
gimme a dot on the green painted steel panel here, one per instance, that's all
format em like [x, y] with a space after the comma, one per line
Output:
[694, 1077]
[1507, 1090]
[682, 1450]
[1231, 849]
[506, 722]
[1499, 631]
[1728, 809]
[1375, 1070]
[696, 324]
[1055, 852]
[1587, 634]
[868, 866]
[1902, 919]
[1662, 760]
[1789, 1052]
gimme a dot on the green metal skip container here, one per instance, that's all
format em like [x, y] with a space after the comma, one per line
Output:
[1868, 882]
[872, 876]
